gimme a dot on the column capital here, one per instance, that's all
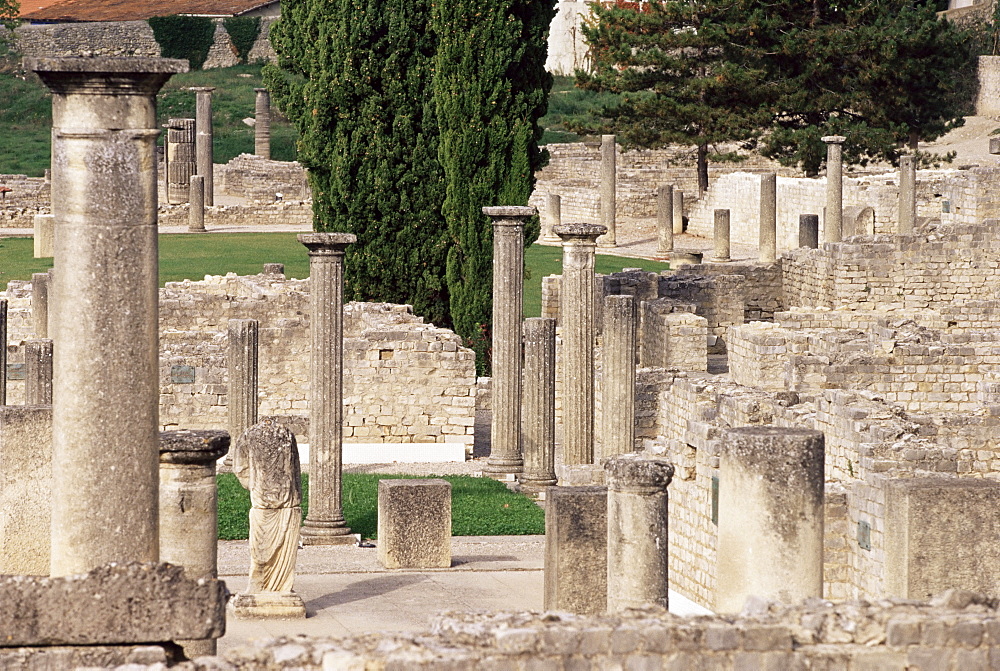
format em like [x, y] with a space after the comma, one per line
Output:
[260, 90]
[326, 244]
[194, 447]
[580, 232]
[201, 89]
[105, 76]
[834, 139]
[636, 472]
[509, 215]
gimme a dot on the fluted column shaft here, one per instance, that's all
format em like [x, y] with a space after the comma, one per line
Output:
[609, 187]
[553, 207]
[243, 375]
[664, 219]
[40, 304]
[834, 225]
[618, 376]
[809, 230]
[768, 236]
[539, 436]
[262, 127]
[38, 372]
[678, 211]
[204, 139]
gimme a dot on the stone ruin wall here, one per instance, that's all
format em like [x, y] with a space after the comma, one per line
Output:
[27, 197]
[257, 178]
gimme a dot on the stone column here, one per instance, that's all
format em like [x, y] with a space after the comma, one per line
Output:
[324, 524]
[243, 371]
[834, 224]
[664, 219]
[539, 409]
[40, 304]
[181, 161]
[768, 241]
[907, 194]
[38, 372]
[553, 206]
[618, 378]
[721, 253]
[508, 289]
[105, 496]
[262, 127]
[575, 577]
[609, 186]
[203, 140]
[576, 318]
[678, 211]
[770, 516]
[196, 207]
[189, 528]
[3, 351]
[809, 230]
[637, 531]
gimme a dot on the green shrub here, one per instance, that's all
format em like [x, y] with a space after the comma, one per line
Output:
[188, 37]
[243, 31]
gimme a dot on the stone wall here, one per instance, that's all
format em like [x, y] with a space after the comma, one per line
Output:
[27, 197]
[257, 178]
[99, 38]
[270, 213]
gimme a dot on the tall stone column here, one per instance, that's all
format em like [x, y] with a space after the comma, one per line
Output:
[196, 206]
[768, 240]
[508, 290]
[576, 317]
[40, 304]
[553, 206]
[834, 224]
[243, 375]
[637, 530]
[105, 445]
[189, 527]
[38, 372]
[3, 351]
[609, 187]
[539, 407]
[721, 252]
[664, 219]
[618, 376]
[204, 139]
[770, 516]
[678, 211]
[262, 127]
[324, 524]
[809, 230]
[907, 194]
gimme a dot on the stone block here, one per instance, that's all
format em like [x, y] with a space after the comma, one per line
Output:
[414, 523]
[576, 556]
[941, 533]
[25, 489]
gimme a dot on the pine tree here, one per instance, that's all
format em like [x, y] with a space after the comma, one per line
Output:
[490, 89]
[356, 80]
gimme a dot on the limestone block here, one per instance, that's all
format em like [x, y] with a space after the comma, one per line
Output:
[25, 489]
[576, 555]
[414, 523]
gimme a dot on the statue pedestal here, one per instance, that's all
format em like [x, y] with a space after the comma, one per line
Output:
[267, 606]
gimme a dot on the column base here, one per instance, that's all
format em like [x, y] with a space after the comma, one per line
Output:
[534, 486]
[551, 238]
[326, 533]
[267, 606]
[607, 245]
[724, 260]
[504, 466]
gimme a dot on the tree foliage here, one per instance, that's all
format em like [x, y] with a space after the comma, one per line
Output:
[188, 37]
[243, 31]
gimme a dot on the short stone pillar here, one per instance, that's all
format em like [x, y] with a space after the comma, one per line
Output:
[189, 527]
[576, 549]
[196, 208]
[274, 269]
[3, 351]
[262, 124]
[44, 236]
[907, 194]
[809, 231]
[539, 404]
[508, 291]
[38, 372]
[834, 224]
[577, 296]
[324, 524]
[637, 530]
[768, 238]
[678, 211]
[204, 139]
[553, 208]
[40, 304]
[105, 489]
[414, 523]
[770, 516]
[609, 187]
[618, 376]
[244, 335]
[721, 231]
[664, 219]
[181, 161]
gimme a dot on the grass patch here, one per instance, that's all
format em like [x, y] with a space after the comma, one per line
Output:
[479, 506]
[569, 105]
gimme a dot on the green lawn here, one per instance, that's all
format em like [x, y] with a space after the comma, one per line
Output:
[479, 506]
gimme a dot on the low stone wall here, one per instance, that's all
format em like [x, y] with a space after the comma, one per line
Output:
[257, 178]
[98, 38]
[270, 213]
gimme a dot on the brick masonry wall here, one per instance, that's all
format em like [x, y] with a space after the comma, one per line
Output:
[257, 178]
[270, 213]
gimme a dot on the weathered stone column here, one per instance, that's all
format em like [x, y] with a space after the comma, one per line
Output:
[38, 372]
[553, 206]
[40, 304]
[664, 219]
[508, 289]
[768, 240]
[243, 375]
[618, 378]
[576, 318]
[907, 194]
[204, 139]
[105, 496]
[721, 252]
[834, 224]
[3, 351]
[262, 127]
[43, 236]
[189, 528]
[324, 524]
[539, 404]
[575, 575]
[678, 211]
[809, 230]
[196, 207]
[609, 186]
[637, 530]
[181, 161]
[770, 516]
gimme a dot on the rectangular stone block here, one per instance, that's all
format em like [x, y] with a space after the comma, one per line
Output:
[414, 523]
[25, 489]
[576, 555]
[941, 533]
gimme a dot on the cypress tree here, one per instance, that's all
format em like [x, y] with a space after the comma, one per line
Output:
[491, 88]
[356, 81]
